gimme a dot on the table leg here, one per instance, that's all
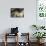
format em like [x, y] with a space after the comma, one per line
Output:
[5, 40]
[17, 39]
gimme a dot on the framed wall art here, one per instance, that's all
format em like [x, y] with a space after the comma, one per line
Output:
[17, 12]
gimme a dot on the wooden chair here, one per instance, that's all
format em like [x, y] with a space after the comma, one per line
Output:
[27, 43]
[8, 34]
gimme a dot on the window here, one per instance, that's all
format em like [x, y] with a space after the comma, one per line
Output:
[41, 8]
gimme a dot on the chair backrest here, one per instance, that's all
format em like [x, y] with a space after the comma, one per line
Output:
[14, 30]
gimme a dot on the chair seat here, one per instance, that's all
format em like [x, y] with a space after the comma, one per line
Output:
[9, 34]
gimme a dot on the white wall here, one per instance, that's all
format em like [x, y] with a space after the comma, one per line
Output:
[24, 24]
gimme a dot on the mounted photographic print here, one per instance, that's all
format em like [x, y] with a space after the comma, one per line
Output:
[17, 12]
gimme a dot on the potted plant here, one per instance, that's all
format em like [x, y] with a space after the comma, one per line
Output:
[35, 26]
[42, 27]
[39, 35]
[38, 27]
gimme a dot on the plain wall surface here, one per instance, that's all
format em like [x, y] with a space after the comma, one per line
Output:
[24, 24]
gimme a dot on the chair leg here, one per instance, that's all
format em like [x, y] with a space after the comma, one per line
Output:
[5, 43]
[17, 39]
[5, 40]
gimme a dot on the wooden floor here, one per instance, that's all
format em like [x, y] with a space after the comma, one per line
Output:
[13, 44]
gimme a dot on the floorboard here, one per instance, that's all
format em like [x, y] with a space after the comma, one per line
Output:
[13, 44]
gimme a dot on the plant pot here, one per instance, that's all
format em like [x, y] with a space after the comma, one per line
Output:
[40, 40]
